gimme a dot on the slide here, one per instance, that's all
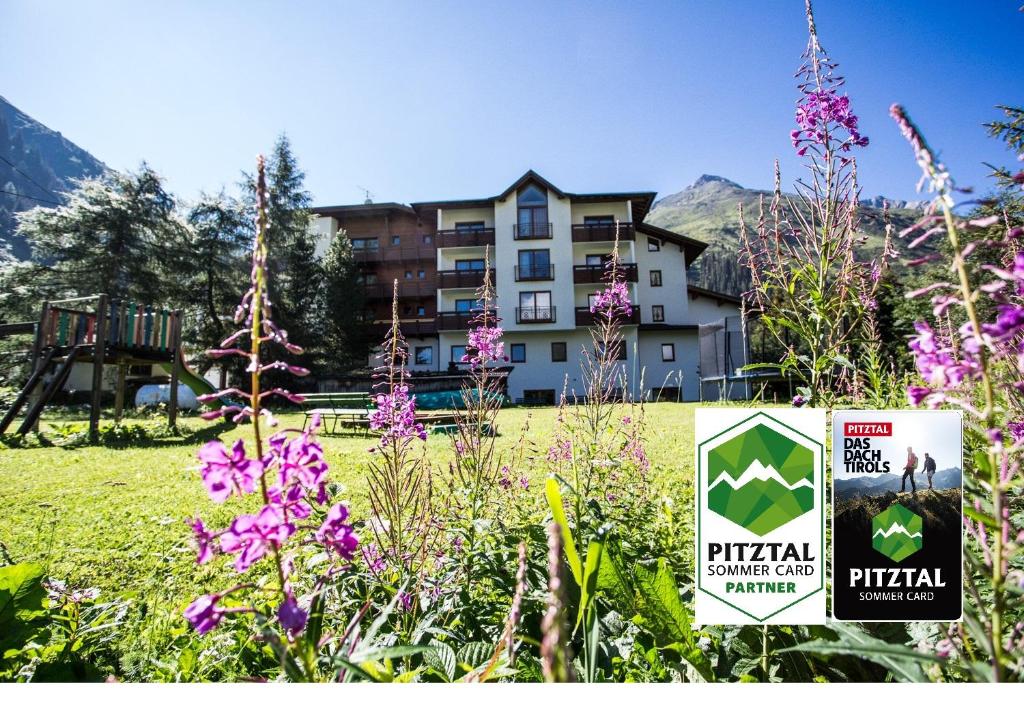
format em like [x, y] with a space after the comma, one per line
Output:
[197, 384]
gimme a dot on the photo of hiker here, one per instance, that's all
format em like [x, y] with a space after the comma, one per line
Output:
[908, 470]
[929, 469]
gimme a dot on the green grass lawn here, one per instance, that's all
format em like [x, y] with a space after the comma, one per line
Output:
[114, 517]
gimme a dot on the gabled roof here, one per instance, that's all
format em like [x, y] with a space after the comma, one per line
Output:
[642, 201]
[692, 248]
[717, 295]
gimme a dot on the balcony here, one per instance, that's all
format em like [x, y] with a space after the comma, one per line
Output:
[595, 273]
[603, 232]
[406, 289]
[447, 238]
[462, 278]
[586, 319]
[532, 230]
[535, 314]
[458, 320]
[535, 272]
[419, 252]
[410, 328]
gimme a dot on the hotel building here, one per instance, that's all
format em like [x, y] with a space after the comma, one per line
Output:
[548, 251]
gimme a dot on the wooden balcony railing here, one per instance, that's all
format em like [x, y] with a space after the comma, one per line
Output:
[447, 238]
[457, 320]
[420, 288]
[585, 318]
[602, 232]
[419, 252]
[462, 278]
[596, 273]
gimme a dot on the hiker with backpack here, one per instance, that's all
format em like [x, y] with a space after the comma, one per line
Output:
[908, 470]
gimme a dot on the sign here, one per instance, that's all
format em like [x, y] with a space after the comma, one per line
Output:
[760, 516]
[897, 507]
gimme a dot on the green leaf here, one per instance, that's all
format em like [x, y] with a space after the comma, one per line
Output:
[661, 603]
[589, 587]
[905, 663]
[554, 496]
[441, 657]
[475, 653]
[22, 603]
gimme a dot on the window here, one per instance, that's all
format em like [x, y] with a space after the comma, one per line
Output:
[668, 352]
[596, 259]
[591, 299]
[359, 244]
[458, 351]
[599, 219]
[395, 240]
[406, 310]
[421, 310]
[655, 277]
[535, 306]
[367, 278]
[653, 244]
[428, 239]
[468, 226]
[424, 355]
[469, 264]
[465, 305]
[534, 265]
[658, 314]
[620, 350]
[558, 352]
[532, 204]
[517, 352]
[421, 274]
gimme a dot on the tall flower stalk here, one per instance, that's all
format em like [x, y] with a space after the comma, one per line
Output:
[808, 285]
[288, 474]
[476, 468]
[399, 479]
[977, 368]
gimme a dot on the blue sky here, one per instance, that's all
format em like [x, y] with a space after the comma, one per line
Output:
[439, 100]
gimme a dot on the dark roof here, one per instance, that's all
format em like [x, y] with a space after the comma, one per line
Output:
[717, 295]
[368, 209]
[692, 248]
[667, 326]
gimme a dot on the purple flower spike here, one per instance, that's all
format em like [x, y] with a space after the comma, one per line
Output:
[335, 535]
[227, 472]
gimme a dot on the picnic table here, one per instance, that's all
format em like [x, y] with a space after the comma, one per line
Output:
[348, 410]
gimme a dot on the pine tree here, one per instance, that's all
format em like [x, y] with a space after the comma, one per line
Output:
[345, 341]
[212, 272]
[297, 275]
[113, 236]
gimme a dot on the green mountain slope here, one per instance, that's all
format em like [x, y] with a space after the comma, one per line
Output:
[708, 210]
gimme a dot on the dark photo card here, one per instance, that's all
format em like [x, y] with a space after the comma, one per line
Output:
[897, 515]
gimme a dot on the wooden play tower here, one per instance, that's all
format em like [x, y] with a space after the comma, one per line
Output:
[98, 330]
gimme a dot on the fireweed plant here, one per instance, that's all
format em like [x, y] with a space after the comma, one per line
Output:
[399, 482]
[975, 365]
[809, 289]
[285, 476]
[477, 474]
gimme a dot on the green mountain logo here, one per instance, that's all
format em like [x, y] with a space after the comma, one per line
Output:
[896, 532]
[760, 479]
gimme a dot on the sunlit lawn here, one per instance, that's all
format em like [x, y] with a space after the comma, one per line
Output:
[114, 517]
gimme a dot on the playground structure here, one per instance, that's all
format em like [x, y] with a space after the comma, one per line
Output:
[99, 330]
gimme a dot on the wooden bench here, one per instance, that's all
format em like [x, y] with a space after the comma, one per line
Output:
[349, 410]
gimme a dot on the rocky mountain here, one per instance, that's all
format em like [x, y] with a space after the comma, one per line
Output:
[37, 165]
[867, 486]
[708, 210]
